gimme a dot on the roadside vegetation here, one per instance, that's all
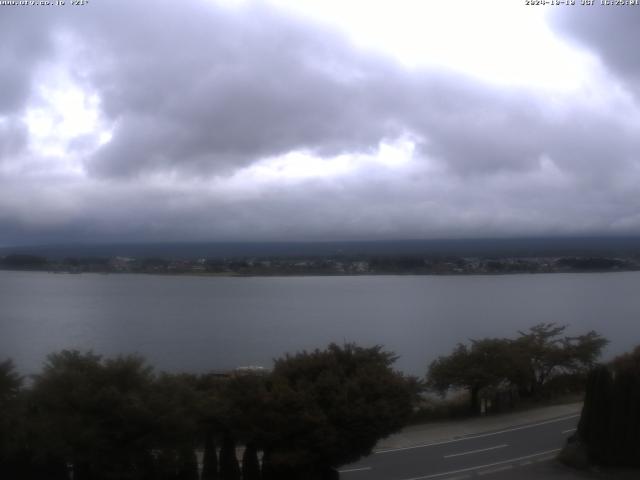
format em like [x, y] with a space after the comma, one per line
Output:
[609, 429]
[87, 417]
[115, 418]
[495, 374]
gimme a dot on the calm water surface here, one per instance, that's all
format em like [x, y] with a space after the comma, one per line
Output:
[202, 323]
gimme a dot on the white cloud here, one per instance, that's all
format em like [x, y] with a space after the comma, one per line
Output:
[501, 41]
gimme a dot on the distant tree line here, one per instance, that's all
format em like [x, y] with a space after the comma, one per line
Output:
[334, 264]
[20, 261]
[92, 418]
[591, 263]
[497, 371]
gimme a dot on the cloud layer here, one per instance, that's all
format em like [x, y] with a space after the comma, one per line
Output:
[212, 122]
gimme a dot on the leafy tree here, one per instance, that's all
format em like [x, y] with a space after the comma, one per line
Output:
[94, 413]
[330, 407]
[176, 404]
[486, 363]
[628, 361]
[11, 424]
[10, 381]
[528, 362]
[211, 415]
[546, 353]
[115, 419]
[244, 401]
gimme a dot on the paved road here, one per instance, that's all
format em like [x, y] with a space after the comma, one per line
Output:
[484, 455]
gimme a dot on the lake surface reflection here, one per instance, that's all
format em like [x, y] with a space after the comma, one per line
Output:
[213, 323]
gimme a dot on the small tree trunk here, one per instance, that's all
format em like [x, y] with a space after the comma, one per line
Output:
[267, 467]
[229, 468]
[187, 465]
[250, 463]
[167, 465]
[277, 471]
[146, 466]
[82, 471]
[210, 459]
[51, 469]
[475, 400]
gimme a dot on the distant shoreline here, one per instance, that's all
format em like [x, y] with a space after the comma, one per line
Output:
[303, 275]
[331, 265]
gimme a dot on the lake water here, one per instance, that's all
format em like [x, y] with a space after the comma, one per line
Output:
[213, 323]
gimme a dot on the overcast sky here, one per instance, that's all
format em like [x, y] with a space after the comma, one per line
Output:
[317, 120]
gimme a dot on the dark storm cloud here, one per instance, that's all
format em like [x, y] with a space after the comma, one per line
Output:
[215, 89]
[13, 138]
[197, 93]
[207, 89]
[204, 87]
[23, 44]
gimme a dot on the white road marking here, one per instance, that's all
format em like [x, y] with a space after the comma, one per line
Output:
[476, 451]
[496, 470]
[544, 459]
[472, 437]
[349, 470]
[569, 431]
[479, 467]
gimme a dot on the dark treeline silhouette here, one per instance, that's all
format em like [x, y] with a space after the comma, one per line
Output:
[92, 418]
[609, 428]
[331, 265]
[540, 362]
[591, 263]
[593, 246]
[24, 261]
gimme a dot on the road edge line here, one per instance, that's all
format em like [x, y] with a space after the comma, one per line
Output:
[474, 436]
[478, 467]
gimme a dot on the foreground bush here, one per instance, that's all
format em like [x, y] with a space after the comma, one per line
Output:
[115, 419]
[609, 428]
[330, 407]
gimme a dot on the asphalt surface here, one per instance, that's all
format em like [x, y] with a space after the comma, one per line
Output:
[489, 455]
